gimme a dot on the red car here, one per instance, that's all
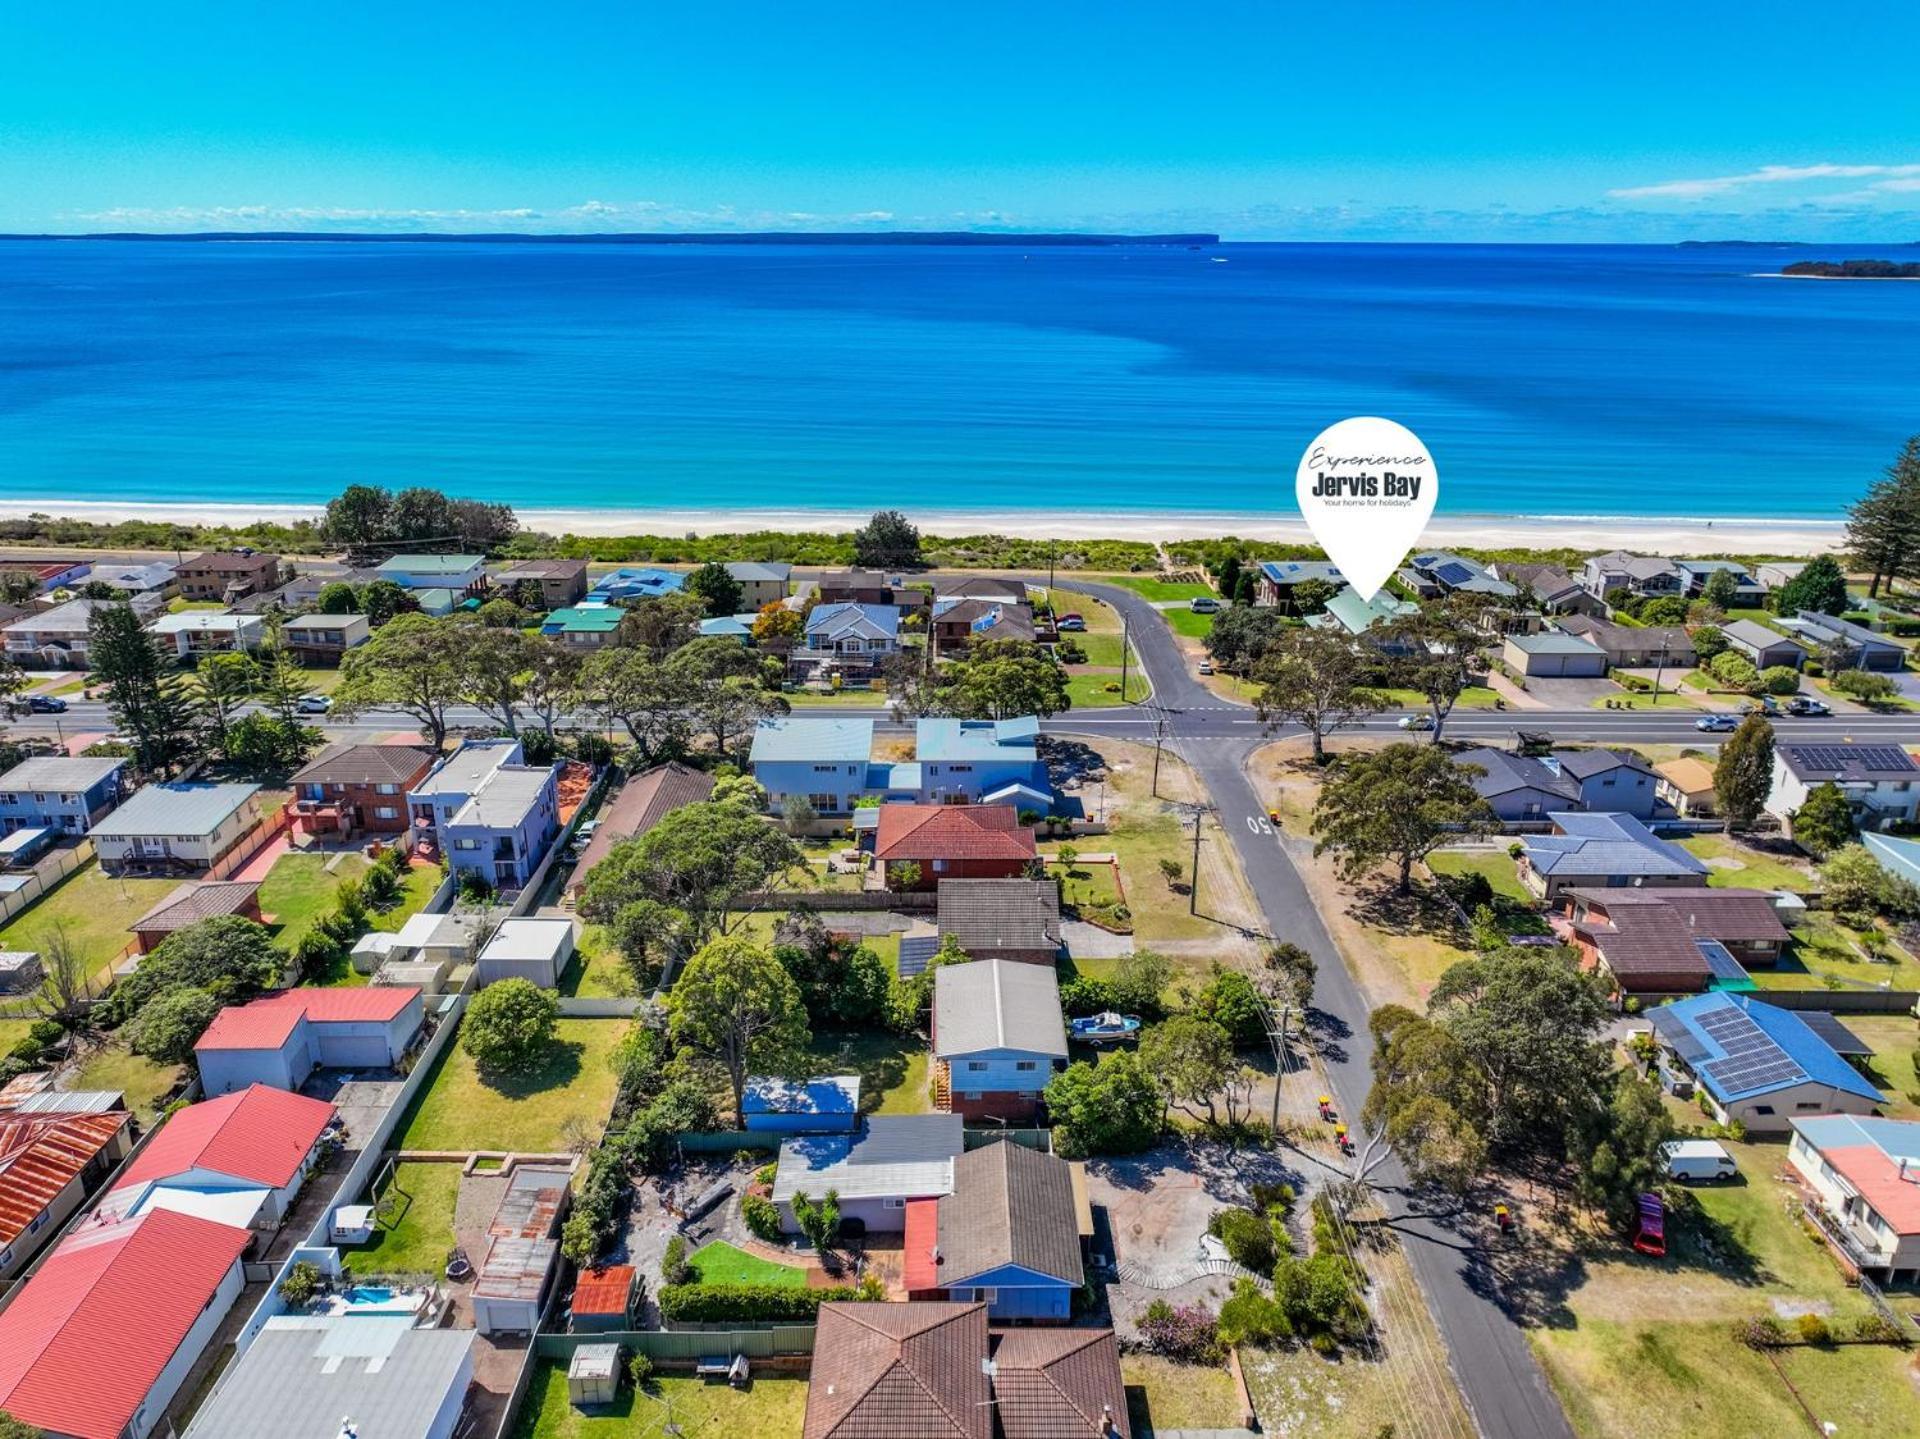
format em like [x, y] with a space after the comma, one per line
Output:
[1651, 1236]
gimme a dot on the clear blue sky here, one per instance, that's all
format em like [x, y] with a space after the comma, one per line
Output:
[1468, 119]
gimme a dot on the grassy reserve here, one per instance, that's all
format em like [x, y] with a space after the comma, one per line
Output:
[462, 1110]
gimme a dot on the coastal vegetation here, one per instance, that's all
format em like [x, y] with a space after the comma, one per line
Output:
[1854, 269]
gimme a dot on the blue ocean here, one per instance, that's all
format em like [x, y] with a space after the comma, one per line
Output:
[1590, 381]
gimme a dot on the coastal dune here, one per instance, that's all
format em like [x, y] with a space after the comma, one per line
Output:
[1666, 535]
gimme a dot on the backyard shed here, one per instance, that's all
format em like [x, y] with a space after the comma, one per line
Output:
[827, 1105]
[593, 1374]
[533, 949]
[20, 969]
[603, 1299]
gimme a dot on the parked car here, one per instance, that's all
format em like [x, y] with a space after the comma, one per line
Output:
[1715, 724]
[1698, 1161]
[1807, 708]
[313, 704]
[46, 704]
[1421, 721]
[1204, 605]
[1073, 623]
[1206, 667]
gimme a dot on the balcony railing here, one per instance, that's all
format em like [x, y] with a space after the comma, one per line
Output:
[1856, 1246]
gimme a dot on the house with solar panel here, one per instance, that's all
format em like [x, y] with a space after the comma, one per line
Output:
[1675, 941]
[1758, 1064]
[1441, 572]
[1279, 579]
[1880, 781]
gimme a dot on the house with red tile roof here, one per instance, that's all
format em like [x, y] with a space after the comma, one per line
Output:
[282, 1039]
[933, 1369]
[100, 1340]
[951, 841]
[49, 1164]
[241, 1159]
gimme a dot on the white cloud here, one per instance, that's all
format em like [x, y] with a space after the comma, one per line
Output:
[1896, 178]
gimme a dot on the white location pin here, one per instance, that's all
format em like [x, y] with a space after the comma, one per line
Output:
[1367, 487]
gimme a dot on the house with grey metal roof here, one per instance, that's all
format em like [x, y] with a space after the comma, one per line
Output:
[1865, 649]
[1765, 647]
[762, 582]
[1279, 579]
[890, 1160]
[176, 827]
[60, 793]
[491, 814]
[460, 573]
[1547, 587]
[998, 1034]
[1597, 851]
[309, 1376]
[1441, 572]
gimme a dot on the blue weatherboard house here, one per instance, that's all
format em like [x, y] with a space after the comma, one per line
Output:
[492, 815]
[981, 761]
[57, 793]
[1009, 1235]
[641, 584]
[830, 1105]
[1759, 1064]
[827, 762]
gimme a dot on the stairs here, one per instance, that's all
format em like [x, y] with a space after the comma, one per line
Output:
[942, 1085]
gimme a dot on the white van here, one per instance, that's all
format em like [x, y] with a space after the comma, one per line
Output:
[1698, 1161]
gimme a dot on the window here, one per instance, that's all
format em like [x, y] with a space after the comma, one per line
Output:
[823, 803]
[893, 1204]
[959, 769]
[38, 1220]
[386, 811]
[386, 789]
[466, 844]
[6, 1258]
[1026, 1066]
[1809, 1106]
[1763, 1109]
[826, 769]
[976, 1066]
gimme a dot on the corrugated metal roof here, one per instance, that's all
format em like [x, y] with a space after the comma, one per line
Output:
[40, 1155]
[997, 1004]
[52, 773]
[190, 809]
[605, 1290]
[817, 739]
[257, 1134]
[893, 1156]
[84, 1340]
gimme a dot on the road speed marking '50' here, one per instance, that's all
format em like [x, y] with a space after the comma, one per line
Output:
[1259, 825]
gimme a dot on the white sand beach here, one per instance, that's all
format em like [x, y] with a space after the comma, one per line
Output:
[1665, 535]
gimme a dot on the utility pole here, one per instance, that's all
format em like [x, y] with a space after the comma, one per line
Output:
[1052, 545]
[1159, 739]
[1659, 669]
[1193, 888]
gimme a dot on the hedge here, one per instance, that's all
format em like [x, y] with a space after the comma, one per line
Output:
[743, 1303]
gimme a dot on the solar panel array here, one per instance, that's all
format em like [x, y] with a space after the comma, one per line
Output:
[1837, 757]
[1453, 573]
[1683, 1041]
[1720, 961]
[1753, 1061]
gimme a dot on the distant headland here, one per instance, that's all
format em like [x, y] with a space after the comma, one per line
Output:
[1853, 270]
[644, 237]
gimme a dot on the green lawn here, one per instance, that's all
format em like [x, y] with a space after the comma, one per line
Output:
[892, 1068]
[1644, 700]
[462, 1110]
[1500, 871]
[299, 890]
[1102, 650]
[846, 699]
[1089, 691]
[720, 1263]
[93, 908]
[145, 1083]
[765, 1409]
[1150, 588]
[1824, 950]
[596, 970]
[414, 1229]
[1186, 622]
[1893, 704]
[1733, 865]
[1473, 697]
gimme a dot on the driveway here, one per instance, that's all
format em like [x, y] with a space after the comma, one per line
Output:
[1573, 694]
[1089, 941]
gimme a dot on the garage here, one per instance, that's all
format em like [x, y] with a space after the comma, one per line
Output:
[1554, 656]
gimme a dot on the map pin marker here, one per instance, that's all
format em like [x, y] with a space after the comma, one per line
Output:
[1366, 487]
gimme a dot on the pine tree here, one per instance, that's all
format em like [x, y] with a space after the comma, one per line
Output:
[148, 701]
[1744, 775]
[1883, 525]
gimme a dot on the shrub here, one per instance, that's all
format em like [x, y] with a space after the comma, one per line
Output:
[743, 1303]
[1250, 1317]
[1876, 1329]
[674, 1268]
[1813, 1330]
[1189, 1334]
[1248, 1237]
[640, 1370]
[301, 1284]
[1637, 683]
[1733, 670]
[1864, 686]
[1762, 1332]
[510, 1024]
[762, 1217]
[1780, 680]
[166, 1030]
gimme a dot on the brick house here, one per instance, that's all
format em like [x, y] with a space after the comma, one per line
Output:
[947, 841]
[358, 787]
[561, 582]
[227, 575]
